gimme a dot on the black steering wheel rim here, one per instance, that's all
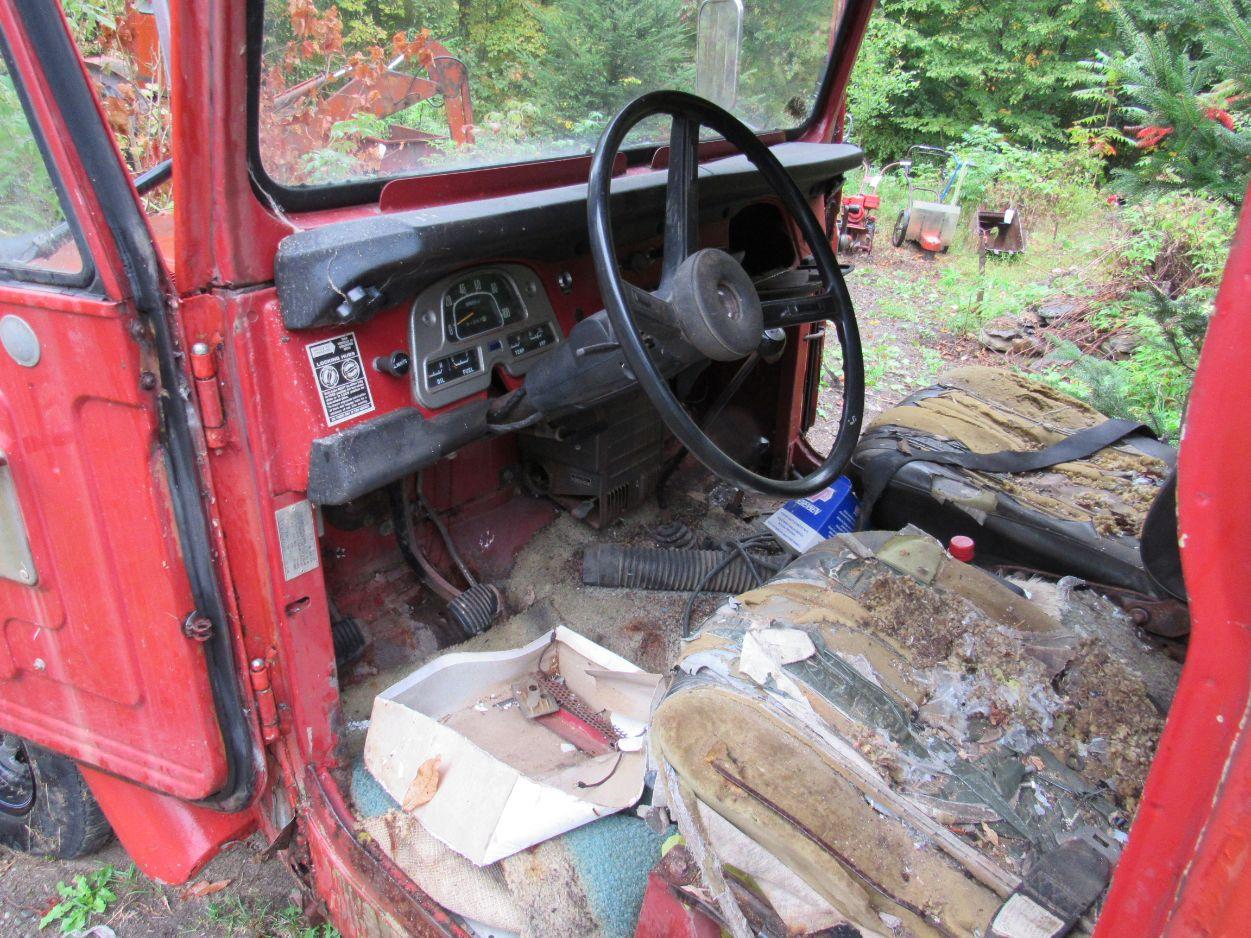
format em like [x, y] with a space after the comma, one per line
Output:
[689, 113]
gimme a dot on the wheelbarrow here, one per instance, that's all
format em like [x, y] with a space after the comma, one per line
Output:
[932, 212]
[999, 232]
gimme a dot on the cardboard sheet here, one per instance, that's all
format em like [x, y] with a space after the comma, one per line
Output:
[506, 782]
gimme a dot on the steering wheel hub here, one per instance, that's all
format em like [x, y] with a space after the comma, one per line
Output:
[717, 307]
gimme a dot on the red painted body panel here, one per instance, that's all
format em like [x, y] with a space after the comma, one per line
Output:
[1187, 870]
[93, 661]
[168, 838]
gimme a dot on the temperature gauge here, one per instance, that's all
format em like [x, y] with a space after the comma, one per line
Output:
[527, 340]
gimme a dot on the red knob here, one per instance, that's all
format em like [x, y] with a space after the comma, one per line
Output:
[961, 548]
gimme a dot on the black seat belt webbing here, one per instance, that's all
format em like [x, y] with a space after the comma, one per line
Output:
[1077, 445]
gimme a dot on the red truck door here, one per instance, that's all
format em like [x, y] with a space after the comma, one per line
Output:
[103, 542]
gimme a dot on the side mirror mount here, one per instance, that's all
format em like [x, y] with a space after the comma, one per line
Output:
[718, 42]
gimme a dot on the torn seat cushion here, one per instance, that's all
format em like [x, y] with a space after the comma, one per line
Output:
[1082, 518]
[905, 733]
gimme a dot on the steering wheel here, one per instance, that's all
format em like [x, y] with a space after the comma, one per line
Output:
[705, 295]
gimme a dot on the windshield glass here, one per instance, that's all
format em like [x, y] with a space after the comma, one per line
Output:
[376, 88]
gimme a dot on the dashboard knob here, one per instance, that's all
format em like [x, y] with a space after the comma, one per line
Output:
[397, 364]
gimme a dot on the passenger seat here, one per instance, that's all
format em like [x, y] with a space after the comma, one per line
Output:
[1085, 516]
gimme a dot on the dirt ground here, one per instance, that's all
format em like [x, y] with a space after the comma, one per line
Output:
[906, 338]
[902, 354]
[256, 899]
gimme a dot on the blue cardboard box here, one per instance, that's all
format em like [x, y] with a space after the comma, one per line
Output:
[805, 522]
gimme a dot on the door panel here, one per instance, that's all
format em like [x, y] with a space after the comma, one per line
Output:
[93, 661]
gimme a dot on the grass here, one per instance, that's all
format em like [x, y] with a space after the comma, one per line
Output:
[1060, 256]
[235, 916]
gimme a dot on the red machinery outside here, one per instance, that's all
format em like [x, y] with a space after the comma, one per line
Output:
[158, 640]
[857, 224]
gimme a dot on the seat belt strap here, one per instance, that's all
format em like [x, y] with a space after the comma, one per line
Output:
[1076, 445]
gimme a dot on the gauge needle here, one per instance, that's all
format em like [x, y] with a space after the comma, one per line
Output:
[468, 316]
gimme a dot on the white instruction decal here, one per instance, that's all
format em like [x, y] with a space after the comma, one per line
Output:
[297, 539]
[341, 380]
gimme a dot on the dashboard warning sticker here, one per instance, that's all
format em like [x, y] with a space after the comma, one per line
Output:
[341, 380]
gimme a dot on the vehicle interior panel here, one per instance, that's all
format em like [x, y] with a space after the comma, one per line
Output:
[389, 257]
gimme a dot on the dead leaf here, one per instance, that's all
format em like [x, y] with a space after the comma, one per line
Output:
[1037, 763]
[424, 784]
[989, 833]
[199, 890]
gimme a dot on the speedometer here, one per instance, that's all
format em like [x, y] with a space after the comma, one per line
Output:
[479, 303]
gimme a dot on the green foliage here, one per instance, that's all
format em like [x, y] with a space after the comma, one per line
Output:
[602, 53]
[1150, 387]
[785, 45]
[242, 917]
[28, 202]
[931, 69]
[1171, 252]
[1185, 97]
[86, 896]
[88, 17]
[1041, 183]
[544, 75]
[1177, 241]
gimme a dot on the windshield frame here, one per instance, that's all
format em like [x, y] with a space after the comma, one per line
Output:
[362, 191]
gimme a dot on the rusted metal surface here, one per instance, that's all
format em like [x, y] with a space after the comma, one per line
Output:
[999, 232]
[198, 628]
[1167, 618]
[365, 893]
[387, 93]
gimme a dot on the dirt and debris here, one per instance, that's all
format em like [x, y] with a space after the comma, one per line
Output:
[238, 893]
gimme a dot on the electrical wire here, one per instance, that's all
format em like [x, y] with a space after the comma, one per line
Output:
[734, 549]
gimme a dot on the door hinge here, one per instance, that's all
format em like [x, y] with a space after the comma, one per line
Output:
[209, 394]
[266, 706]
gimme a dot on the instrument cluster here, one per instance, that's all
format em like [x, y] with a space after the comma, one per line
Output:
[465, 325]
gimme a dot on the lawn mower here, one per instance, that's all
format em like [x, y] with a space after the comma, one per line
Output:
[930, 222]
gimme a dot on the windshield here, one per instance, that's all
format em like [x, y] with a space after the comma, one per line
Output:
[375, 88]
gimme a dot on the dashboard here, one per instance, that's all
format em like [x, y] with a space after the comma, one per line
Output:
[463, 326]
[426, 279]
